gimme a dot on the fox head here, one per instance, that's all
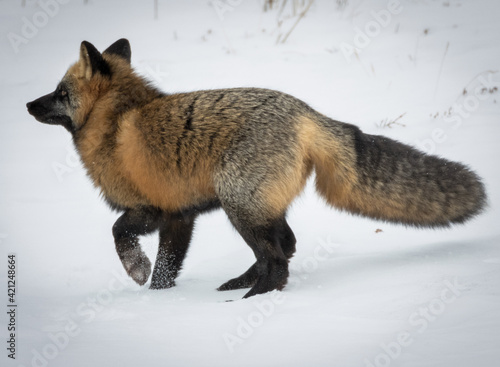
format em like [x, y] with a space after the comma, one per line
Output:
[86, 81]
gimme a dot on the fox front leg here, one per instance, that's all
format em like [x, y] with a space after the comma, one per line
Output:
[126, 231]
[175, 235]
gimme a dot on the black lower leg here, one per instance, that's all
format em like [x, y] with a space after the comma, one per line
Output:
[286, 239]
[270, 272]
[134, 223]
[272, 264]
[175, 236]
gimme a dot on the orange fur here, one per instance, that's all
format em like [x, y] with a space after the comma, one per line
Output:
[163, 188]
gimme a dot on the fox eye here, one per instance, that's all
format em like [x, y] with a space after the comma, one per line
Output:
[62, 93]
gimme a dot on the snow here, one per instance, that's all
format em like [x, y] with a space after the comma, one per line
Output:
[356, 296]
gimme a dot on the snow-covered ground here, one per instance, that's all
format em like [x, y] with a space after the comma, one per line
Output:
[357, 296]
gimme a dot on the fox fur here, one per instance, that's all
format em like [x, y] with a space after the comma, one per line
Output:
[164, 158]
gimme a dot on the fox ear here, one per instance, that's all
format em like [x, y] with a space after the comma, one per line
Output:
[91, 61]
[120, 48]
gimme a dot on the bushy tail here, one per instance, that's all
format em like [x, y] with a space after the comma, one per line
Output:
[383, 179]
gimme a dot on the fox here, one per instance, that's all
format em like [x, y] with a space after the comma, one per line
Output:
[161, 160]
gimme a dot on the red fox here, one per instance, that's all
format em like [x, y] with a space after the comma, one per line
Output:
[163, 159]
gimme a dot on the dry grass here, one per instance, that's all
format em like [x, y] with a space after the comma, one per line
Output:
[287, 12]
[389, 123]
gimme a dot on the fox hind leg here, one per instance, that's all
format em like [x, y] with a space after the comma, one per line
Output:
[271, 267]
[175, 236]
[286, 239]
[126, 231]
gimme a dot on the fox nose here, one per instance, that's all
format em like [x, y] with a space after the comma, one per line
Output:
[29, 104]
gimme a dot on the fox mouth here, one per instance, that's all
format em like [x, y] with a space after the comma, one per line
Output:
[50, 120]
[46, 119]
[41, 114]
[54, 120]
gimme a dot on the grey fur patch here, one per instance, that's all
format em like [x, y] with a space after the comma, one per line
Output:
[137, 265]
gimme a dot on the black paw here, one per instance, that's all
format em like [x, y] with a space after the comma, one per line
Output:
[274, 277]
[245, 280]
[236, 283]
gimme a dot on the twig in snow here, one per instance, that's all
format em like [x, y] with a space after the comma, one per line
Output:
[301, 15]
[389, 123]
